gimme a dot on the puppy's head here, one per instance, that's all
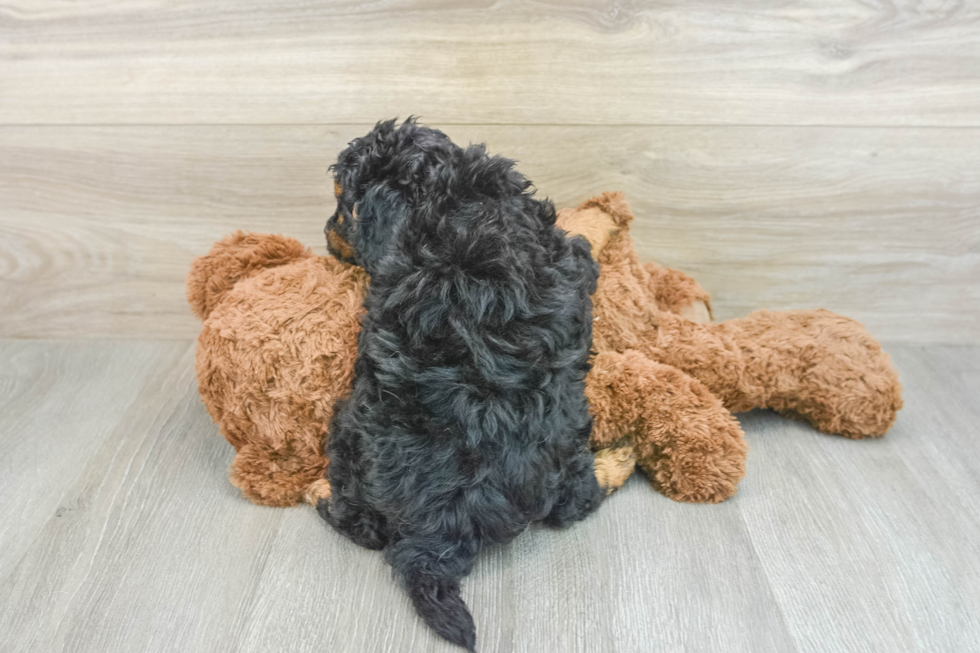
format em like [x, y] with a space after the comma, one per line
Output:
[377, 180]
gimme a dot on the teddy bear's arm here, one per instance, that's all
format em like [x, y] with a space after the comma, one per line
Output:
[678, 293]
[654, 415]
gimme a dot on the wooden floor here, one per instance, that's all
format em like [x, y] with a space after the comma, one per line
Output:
[120, 532]
[814, 153]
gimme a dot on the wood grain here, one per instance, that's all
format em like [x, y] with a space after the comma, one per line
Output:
[829, 545]
[58, 404]
[565, 590]
[98, 225]
[864, 544]
[151, 548]
[838, 62]
[788, 155]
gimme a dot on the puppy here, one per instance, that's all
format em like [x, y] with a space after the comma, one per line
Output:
[467, 419]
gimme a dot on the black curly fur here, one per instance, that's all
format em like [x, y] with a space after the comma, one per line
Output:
[467, 420]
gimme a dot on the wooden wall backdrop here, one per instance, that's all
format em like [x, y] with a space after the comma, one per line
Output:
[802, 154]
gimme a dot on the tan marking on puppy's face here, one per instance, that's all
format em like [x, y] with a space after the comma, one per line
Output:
[337, 190]
[340, 245]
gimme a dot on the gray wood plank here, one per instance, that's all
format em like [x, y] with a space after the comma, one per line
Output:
[870, 545]
[647, 574]
[944, 384]
[98, 225]
[642, 574]
[153, 550]
[829, 545]
[544, 62]
[60, 403]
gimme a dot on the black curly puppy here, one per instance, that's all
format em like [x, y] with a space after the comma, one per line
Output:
[467, 420]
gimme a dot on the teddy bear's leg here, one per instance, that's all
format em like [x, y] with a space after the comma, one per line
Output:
[818, 366]
[814, 365]
[277, 476]
[611, 437]
[613, 465]
[678, 293]
[279, 443]
[688, 444]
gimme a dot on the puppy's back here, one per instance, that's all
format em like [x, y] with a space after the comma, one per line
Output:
[468, 419]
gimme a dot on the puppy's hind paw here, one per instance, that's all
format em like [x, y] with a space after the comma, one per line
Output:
[579, 497]
[361, 524]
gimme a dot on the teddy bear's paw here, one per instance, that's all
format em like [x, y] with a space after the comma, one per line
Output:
[319, 490]
[276, 476]
[613, 466]
[701, 486]
[856, 418]
[817, 366]
[855, 393]
[705, 469]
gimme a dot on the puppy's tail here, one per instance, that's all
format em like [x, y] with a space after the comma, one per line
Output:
[233, 258]
[430, 569]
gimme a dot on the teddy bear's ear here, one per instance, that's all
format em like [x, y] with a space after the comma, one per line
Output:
[598, 218]
[594, 224]
[234, 258]
[614, 203]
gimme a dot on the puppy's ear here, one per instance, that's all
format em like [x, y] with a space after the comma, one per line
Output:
[379, 216]
[493, 176]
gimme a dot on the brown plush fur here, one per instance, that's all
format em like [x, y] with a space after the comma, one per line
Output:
[669, 384]
[279, 342]
[276, 351]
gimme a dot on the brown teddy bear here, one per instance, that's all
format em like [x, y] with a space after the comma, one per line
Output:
[663, 386]
[279, 340]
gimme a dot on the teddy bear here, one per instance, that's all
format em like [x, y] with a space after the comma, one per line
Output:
[277, 349]
[663, 386]
[279, 338]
